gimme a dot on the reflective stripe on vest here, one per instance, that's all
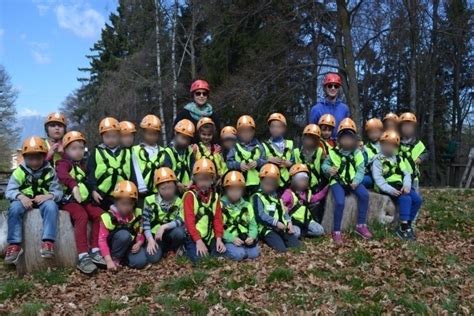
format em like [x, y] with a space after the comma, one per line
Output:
[148, 165]
[133, 226]
[158, 216]
[204, 216]
[31, 186]
[326, 146]
[346, 165]
[181, 164]
[80, 176]
[300, 210]
[271, 151]
[273, 207]
[237, 218]
[392, 172]
[410, 153]
[314, 165]
[110, 170]
[215, 157]
[246, 156]
[371, 151]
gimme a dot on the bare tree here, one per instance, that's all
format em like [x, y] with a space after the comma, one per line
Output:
[158, 70]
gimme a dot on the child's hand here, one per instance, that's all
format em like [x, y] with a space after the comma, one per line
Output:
[201, 248]
[287, 163]
[291, 231]
[26, 202]
[252, 165]
[220, 246]
[40, 199]
[249, 241]
[281, 226]
[238, 242]
[152, 246]
[76, 193]
[244, 167]
[181, 187]
[275, 160]
[354, 185]
[396, 193]
[405, 190]
[418, 161]
[217, 148]
[53, 149]
[136, 246]
[160, 232]
[332, 171]
[96, 197]
[111, 265]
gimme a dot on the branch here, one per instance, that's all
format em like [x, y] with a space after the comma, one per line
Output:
[369, 40]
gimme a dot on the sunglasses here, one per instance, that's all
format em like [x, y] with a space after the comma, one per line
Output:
[333, 86]
[199, 94]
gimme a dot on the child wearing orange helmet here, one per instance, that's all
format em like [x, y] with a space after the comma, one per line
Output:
[55, 128]
[228, 140]
[203, 214]
[33, 184]
[374, 129]
[127, 134]
[327, 124]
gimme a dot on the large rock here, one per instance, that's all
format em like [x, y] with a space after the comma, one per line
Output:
[3, 233]
[381, 209]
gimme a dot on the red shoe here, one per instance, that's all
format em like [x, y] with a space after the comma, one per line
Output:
[337, 238]
[363, 231]
[47, 249]
[13, 254]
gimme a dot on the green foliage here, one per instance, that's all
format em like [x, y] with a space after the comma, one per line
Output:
[32, 309]
[359, 256]
[109, 305]
[140, 310]
[280, 275]
[187, 282]
[13, 288]
[143, 289]
[52, 276]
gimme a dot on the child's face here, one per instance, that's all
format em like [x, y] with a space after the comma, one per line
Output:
[407, 129]
[125, 206]
[55, 130]
[326, 131]
[390, 125]
[277, 129]
[388, 149]
[228, 143]
[182, 140]
[151, 137]
[348, 142]
[301, 184]
[167, 190]
[200, 97]
[34, 161]
[127, 140]
[234, 193]
[75, 150]
[111, 138]
[374, 134]
[269, 185]
[310, 142]
[206, 134]
[246, 134]
[203, 181]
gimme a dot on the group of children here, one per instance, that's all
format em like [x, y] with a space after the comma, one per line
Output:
[145, 201]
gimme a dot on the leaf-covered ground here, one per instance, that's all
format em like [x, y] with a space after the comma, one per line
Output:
[434, 275]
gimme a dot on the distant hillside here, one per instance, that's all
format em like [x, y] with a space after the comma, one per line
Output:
[30, 125]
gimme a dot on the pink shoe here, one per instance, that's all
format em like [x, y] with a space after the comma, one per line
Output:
[337, 238]
[363, 231]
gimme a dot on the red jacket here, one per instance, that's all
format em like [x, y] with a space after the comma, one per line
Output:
[63, 167]
[189, 217]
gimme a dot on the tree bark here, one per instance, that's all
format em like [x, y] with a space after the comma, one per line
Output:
[158, 71]
[173, 58]
[191, 44]
[411, 6]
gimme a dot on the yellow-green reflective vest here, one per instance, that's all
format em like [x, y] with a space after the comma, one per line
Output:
[271, 151]
[236, 218]
[313, 164]
[216, 158]
[80, 176]
[56, 156]
[243, 155]
[326, 146]
[300, 212]
[392, 172]
[181, 164]
[111, 169]
[158, 216]
[371, 151]
[31, 186]
[134, 226]
[410, 153]
[346, 165]
[204, 215]
[272, 206]
[148, 165]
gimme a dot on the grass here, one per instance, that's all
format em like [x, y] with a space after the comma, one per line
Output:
[143, 290]
[140, 310]
[234, 283]
[108, 305]
[280, 275]
[168, 303]
[185, 282]
[413, 306]
[52, 276]
[13, 288]
[359, 256]
[32, 309]
[4, 204]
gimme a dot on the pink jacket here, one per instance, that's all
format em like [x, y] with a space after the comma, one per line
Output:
[316, 197]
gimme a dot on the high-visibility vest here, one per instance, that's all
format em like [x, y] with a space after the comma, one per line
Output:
[326, 146]
[133, 226]
[313, 164]
[410, 153]
[392, 171]
[371, 151]
[158, 216]
[300, 212]
[148, 165]
[346, 165]
[271, 151]
[31, 186]
[237, 217]
[217, 158]
[272, 206]
[80, 176]
[56, 156]
[181, 164]
[243, 155]
[111, 169]
[204, 215]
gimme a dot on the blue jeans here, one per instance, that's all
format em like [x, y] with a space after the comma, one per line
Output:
[121, 242]
[191, 250]
[340, 201]
[368, 182]
[409, 205]
[239, 253]
[281, 241]
[49, 212]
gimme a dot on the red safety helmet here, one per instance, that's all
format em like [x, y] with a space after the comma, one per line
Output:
[199, 85]
[333, 78]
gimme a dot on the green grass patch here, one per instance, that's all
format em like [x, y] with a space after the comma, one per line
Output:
[196, 307]
[280, 275]
[234, 284]
[380, 231]
[451, 259]
[52, 276]
[187, 282]
[350, 297]
[423, 253]
[168, 302]
[238, 308]
[4, 205]
[143, 289]
[140, 310]
[209, 262]
[369, 309]
[413, 306]
[34, 308]
[108, 305]
[13, 288]
[359, 256]
[470, 269]
[451, 304]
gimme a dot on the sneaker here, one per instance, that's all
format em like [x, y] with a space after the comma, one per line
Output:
[363, 231]
[86, 266]
[337, 238]
[13, 254]
[181, 251]
[47, 249]
[405, 234]
[97, 258]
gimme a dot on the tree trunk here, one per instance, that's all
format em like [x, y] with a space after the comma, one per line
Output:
[412, 18]
[158, 71]
[173, 59]
[3, 232]
[191, 44]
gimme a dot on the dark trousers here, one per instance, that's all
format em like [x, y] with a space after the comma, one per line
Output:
[281, 241]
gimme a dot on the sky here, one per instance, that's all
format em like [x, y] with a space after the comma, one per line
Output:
[42, 45]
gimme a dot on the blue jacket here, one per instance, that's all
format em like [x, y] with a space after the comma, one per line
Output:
[339, 110]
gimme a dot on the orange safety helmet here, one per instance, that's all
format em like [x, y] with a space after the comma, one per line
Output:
[347, 124]
[228, 132]
[55, 117]
[269, 170]
[72, 136]
[164, 174]
[390, 137]
[312, 129]
[109, 124]
[34, 145]
[297, 168]
[199, 85]
[327, 119]
[373, 123]
[333, 78]
[151, 122]
[204, 165]
[277, 117]
[185, 127]
[245, 121]
[125, 189]
[234, 178]
[408, 117]
[204, 121]
[391, 117]
[127, 127]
